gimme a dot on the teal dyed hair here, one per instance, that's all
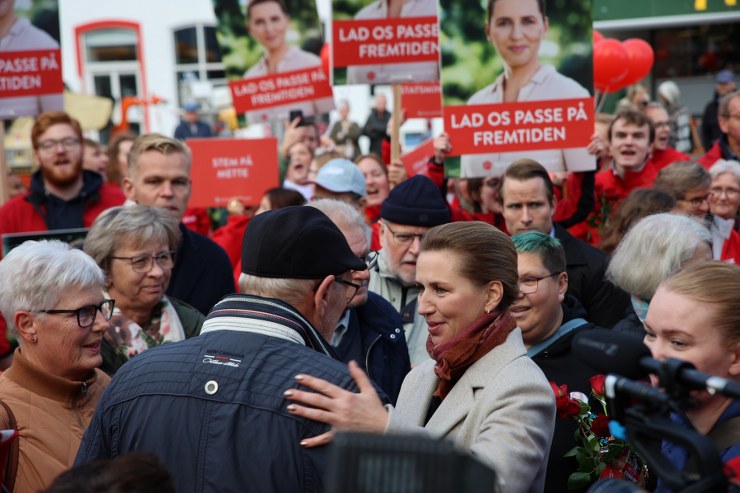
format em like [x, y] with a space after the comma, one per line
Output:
[549, 249]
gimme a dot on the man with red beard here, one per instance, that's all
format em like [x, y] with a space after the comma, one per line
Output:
[62, 194]
[663, 154]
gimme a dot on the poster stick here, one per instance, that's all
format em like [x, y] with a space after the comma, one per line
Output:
[3, 166]
[396, 127]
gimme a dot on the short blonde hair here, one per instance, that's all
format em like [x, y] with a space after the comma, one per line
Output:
[158, 143]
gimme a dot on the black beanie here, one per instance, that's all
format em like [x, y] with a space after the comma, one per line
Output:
[416, 202]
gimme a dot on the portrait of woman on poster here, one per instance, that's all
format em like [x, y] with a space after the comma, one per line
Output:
[395, 72]
[268, 22]
[516, 29]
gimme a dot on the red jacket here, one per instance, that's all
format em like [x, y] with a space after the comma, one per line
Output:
[230, 236]
[669, 155]
[713, 155]
[18, 215]
[731, 248]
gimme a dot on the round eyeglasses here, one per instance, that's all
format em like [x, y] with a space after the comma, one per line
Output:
[144, 263]
[528, 285]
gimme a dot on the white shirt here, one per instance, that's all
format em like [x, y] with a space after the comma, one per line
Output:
[545, 84]
[24, 36]
[294, 59]
[395, 72]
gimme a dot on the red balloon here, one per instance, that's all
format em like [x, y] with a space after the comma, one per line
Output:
[324, 55]
[640, 60]
[610, 64]
[597, 36]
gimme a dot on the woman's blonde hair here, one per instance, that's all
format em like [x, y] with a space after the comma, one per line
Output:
[716, 284]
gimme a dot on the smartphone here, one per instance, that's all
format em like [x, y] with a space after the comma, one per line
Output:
[296, 114]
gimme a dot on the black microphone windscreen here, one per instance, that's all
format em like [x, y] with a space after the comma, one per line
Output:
[613, 352]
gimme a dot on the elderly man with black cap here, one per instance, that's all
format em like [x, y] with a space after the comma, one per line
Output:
[409, 211]
[212, 408]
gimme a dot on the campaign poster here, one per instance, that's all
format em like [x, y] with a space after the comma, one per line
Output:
[421, 100]
[416, 161]
[30, 59]
[270, 49]
[517, 82]
[224, 169]
[385, 41]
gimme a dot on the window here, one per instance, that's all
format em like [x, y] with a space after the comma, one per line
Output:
[198, 59]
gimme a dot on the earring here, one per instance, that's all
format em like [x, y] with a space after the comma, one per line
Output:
[33, 338]
[488, 311]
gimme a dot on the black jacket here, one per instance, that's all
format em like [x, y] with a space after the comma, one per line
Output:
[376, 340]
[562, 366]
[202, 274]
[586, 266]
[211, 408]
[710, 130]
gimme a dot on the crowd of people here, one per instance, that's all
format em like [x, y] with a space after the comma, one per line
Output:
[196, 356]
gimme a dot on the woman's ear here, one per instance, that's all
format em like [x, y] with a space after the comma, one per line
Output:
[494, 293]
[562, 285]
[24, 322]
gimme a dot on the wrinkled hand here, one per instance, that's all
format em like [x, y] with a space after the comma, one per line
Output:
[342, 409]
[235, 207]
[396, 173]
[442, 147]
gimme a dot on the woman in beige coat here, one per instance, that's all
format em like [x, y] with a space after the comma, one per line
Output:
[480, 389]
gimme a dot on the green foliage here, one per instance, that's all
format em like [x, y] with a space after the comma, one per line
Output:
[347, 9]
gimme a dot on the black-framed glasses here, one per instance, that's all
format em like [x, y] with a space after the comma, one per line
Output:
[528, 285]
[405, 238]
[356, 287]
[696, 202]
[69, 144]
[86, 314]
[370, 259]
[144, 263]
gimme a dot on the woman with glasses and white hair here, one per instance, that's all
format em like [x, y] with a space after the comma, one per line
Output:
[50, 296]
[724, 202]
[135, 246]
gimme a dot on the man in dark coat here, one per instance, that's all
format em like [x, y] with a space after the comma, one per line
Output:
[212, 408]
[377, 124]
[370, 331]
[159, 176]
[529, 204]
[191, 126]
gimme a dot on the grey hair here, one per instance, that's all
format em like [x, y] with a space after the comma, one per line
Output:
[725, 166]
[134, 224]
[34, 275]
[291, 291]
[341, 213]
[653, 249]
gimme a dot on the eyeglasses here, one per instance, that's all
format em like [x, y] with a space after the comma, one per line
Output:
[661, 124]
[732, 117]
[352, 285]
[492, 182]
[69, 144]
[528, 285]
[370, 259]
[697, 201]
[86, 314]
[144, 263]
[731, 193]
[404, 238]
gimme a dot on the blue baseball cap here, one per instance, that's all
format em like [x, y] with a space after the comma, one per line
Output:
[341, 175]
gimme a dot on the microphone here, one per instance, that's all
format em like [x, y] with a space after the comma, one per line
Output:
[626, 355]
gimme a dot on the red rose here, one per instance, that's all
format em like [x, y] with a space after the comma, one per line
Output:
[597, 384]
[559, 391]
[600, 426]
[568, 407]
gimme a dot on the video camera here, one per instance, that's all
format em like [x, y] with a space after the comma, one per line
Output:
[641, 414]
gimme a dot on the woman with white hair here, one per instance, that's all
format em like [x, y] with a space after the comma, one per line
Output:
[724, 202]
[653, 249]
[680, 138]
[50, 296]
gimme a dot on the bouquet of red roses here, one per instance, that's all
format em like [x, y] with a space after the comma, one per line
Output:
[600, 455]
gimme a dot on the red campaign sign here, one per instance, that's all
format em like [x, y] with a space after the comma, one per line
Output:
[296, 86]
[30, 73]
[421, 100]
[379, 41]
[416, 161]
[232, 168]
[506, 127]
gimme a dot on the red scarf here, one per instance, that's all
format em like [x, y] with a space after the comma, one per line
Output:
[459, 353]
